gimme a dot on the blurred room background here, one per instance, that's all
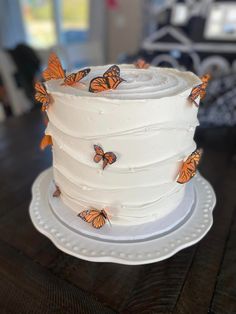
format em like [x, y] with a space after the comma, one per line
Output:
[190, 35]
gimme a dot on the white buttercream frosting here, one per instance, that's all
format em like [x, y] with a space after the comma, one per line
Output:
[139, 83]
[148, 122]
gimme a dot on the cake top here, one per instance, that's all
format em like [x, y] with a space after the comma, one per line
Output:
[137, 83]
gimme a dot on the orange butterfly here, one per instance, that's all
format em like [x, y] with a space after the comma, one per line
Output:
[96, 217]
[189, 166]
[141, 64]
[110, 80]
[108, 158]
[55, 71]
[57, 192]
[73, 78]
[42, 96]
[200, 90]
[46, 140]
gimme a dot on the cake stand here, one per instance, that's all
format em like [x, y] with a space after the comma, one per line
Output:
[133, 251]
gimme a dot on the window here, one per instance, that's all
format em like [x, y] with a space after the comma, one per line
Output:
[221, 22]
[42, 16]
[75, 20]
[39, 23]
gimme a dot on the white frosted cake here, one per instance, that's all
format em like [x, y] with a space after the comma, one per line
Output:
[147, 122]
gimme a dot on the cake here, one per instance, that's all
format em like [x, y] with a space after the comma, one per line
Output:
[120, 138]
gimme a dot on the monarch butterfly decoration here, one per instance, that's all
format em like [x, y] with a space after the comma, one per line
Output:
[55, 71]
[57, 192]
[200, 90]
[108, 158]
[189, 166]
[110, 80]
[46, 141]
[94, 216]
[42, 96]
[74, 78]
[141, 64]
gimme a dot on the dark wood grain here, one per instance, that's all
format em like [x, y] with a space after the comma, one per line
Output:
[26, 287]
[35, 277]
[98, 278]
[225, 290]
[159, 285]
[201, 280]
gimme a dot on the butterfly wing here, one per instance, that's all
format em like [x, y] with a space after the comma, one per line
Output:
[114, 70]
[113, 77]
[40, 88]
[74, 78]
[189, 167]
[114, 81]
[99, 221]
[141, 64]
[202, 93]
[54, 69]
[81, 74]
[57, 192]
[89, 215]
[69, 80]
[99, 153]
[195, 92]
[98, 150]
[99, 84]
[97, 158]
[42, 95]
[46, 140]
[205, 79]
[44, 99]
[110, 80]
[109, 158]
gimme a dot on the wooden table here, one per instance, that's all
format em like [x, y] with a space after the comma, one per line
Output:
[35, 277]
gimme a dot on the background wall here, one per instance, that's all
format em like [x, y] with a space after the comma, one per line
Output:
[124, 28]
[11, 33]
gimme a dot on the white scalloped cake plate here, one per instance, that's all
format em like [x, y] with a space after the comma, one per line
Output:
[130, 249]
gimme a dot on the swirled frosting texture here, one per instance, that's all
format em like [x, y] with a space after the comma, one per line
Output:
[139, 83]
[147, 122]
